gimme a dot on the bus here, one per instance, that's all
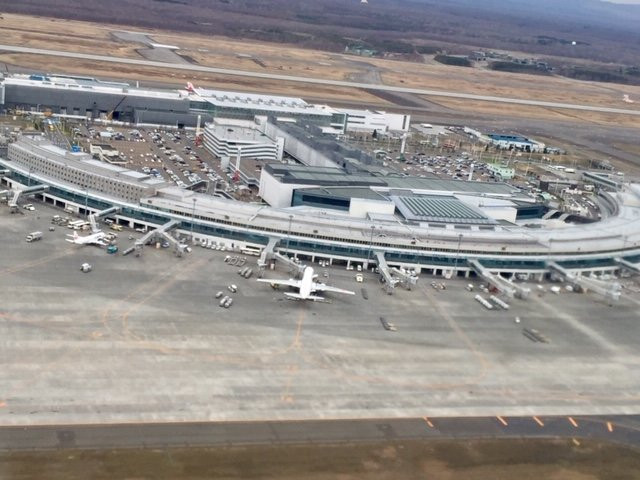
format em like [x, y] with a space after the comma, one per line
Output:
[249, 250]
[78, 225]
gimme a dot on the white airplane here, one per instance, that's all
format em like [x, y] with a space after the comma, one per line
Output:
[98, 238]
[307, 286]
[627, 99]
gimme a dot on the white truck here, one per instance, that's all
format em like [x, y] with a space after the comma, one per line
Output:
[34, 236]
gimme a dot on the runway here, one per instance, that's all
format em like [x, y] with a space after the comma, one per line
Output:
[318, 81]
[616, 429]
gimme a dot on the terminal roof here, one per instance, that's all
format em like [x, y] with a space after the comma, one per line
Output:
[345, 192]
[329, 176]
[445, 209]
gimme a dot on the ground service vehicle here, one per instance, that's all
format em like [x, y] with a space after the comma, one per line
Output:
[34, 236]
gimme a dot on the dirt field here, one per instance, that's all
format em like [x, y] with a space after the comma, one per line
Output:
[288, 59]
[541, 113]
[148, 74]
[55, 34]
[534, 87]
[437, 460]
[631, 148]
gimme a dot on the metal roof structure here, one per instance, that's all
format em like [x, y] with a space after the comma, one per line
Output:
[271, 103]
[345, 192]
[394, 185]
[442, 209]
[324, 176]
[86, 84]
[449, 186]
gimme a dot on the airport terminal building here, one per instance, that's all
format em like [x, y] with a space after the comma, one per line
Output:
[434, 238]
[241, 139]
[39, 157]
[90, 98]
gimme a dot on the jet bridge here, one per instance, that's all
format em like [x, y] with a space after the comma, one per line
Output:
[609, 290]
[13, 203]
[505, 286]
[295, 268]
[103, 213]
[385, 273]
[267, 253]
[407, 280]
[632, 267]
[161, 233]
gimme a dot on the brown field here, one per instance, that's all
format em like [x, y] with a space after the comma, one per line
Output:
[629, 148]
[502, 84]
[55, 34]
[288, 59]
[541, 113]
[150, 74]
[432, 460]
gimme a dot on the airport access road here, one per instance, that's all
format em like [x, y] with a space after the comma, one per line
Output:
[319, 81]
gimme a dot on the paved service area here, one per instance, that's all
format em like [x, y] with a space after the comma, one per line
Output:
[143, 339]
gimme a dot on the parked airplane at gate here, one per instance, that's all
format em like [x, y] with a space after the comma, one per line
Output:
[307, 286]
[98, 239]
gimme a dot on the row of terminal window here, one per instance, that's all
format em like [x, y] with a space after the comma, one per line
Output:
[361, 242]
[76, 176]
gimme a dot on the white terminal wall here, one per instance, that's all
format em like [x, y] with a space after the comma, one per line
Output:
[298, 149]
[383, 122]
[363, 207]
[492, 207]
[275, 193]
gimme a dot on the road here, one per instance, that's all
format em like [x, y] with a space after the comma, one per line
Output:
[318, 81]
[618, 429]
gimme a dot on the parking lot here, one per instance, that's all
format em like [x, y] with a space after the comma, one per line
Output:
[170, 154]
[143, 338]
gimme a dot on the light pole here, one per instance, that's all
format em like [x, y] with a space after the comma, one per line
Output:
[455, 268]
[86, 201]
[370, 244]
[289, 233]
[193, 217]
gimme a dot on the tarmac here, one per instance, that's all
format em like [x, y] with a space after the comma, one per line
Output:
[143, 340]
[613, 429]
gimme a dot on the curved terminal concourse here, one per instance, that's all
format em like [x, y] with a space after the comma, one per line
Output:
[457, 228]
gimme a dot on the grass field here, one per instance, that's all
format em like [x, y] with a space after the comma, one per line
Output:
[432, 460]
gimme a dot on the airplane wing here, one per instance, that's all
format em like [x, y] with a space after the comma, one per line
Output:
[297, 296]
[321, 287]
[288, 283]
